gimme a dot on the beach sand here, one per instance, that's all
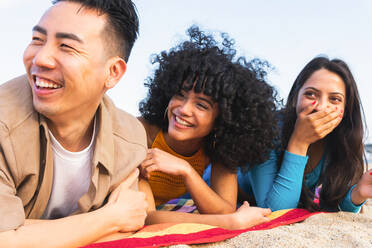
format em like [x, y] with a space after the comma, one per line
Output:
[334, 230]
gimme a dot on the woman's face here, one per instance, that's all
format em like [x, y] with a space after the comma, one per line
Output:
[191, 115]
[324, 87]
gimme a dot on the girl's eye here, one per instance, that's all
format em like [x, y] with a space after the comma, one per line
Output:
[180, 95]
[202, 106]
[310, 94]
[336, 99]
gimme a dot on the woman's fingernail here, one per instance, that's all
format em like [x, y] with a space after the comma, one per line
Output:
[314, 102]
[340, 116]
[370, 173]
[342, 111]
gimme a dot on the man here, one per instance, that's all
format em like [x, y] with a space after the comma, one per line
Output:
[64, 147]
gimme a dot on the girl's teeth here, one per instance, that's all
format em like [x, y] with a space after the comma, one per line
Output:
[182, 122]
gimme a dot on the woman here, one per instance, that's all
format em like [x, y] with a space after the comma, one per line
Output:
[204, 106]
[321, 163]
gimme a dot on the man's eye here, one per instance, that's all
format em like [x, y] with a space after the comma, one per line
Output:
[36, 39]
[66, 46]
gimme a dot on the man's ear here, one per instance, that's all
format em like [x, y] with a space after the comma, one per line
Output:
[117, 68]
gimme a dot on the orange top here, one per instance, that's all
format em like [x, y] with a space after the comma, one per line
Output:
[166, 187]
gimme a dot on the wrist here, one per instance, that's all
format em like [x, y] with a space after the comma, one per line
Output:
[356, 197]
[187, 171]
[297, 146]
[107, 214]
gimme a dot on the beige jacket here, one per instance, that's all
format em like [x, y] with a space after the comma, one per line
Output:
[26, 161]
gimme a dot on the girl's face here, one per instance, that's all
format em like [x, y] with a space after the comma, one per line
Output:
[191, 115]
[324, 87]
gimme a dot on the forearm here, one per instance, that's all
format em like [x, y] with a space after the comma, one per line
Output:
[72, 231]
[205, 198]
[286, 189]
[352, 201]
[297, 146]
[220, 220]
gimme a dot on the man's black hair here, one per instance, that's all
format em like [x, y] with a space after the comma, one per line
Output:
[121, 30]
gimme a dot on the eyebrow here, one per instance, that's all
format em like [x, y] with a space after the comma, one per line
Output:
[59, 35]
[333, 93]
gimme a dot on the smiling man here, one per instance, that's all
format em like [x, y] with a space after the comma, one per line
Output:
[68, 156]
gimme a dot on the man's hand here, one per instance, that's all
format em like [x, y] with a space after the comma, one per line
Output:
[127, 205]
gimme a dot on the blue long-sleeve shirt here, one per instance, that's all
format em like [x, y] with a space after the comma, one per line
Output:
[282, 189]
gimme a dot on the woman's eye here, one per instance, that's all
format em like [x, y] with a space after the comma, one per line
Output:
[336, 99]
[310, 94]
[180, 95]
[202, 106]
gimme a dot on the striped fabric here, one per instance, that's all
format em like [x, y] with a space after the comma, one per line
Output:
[189, 233]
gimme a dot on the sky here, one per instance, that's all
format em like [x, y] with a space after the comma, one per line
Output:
[286, 33]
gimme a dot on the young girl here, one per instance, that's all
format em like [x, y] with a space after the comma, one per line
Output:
[204, 107]
[321, 163]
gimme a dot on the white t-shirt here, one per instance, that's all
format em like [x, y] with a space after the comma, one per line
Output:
[71, 178]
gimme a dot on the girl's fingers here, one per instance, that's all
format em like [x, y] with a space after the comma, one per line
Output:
[150, 169]
[266, 211]
[308, 109]
[329, 127]
[265, 219]
[333, 115]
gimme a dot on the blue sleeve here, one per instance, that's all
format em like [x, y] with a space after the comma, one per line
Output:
[348, 205]
[259, 179]
[280, 190]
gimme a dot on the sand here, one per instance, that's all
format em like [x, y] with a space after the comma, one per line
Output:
[334, 230]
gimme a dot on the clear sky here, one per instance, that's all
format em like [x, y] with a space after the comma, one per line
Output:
[287, 33]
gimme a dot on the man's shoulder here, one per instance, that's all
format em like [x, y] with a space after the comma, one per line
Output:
[16, 102]
[125, 125]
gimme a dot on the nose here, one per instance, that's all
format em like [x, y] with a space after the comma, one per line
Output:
[321, 104]
[44, 57]
[186, 108]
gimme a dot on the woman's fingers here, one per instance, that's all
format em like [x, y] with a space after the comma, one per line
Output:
[328, 127]
[330, 116]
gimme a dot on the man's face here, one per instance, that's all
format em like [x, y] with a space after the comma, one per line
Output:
[66, 62]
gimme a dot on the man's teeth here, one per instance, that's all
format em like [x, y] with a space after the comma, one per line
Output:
[44, 84]
[182, 122]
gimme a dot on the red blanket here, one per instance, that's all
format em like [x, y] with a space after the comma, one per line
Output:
[190, 233]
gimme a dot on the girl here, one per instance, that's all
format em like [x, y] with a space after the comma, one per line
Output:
[203, 107]
[321, 163]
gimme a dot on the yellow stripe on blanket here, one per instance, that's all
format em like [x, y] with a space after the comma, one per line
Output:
[186, 228]
[182, 228]
[278, 213]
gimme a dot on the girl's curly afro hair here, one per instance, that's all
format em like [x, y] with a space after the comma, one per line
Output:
[246, 126]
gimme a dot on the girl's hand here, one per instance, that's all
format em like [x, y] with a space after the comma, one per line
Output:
[247, 216]
[159, 160]
[363, 189]
[312, 126]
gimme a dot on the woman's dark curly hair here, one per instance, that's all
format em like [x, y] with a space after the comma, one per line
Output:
[246, 126]
[345, 151]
